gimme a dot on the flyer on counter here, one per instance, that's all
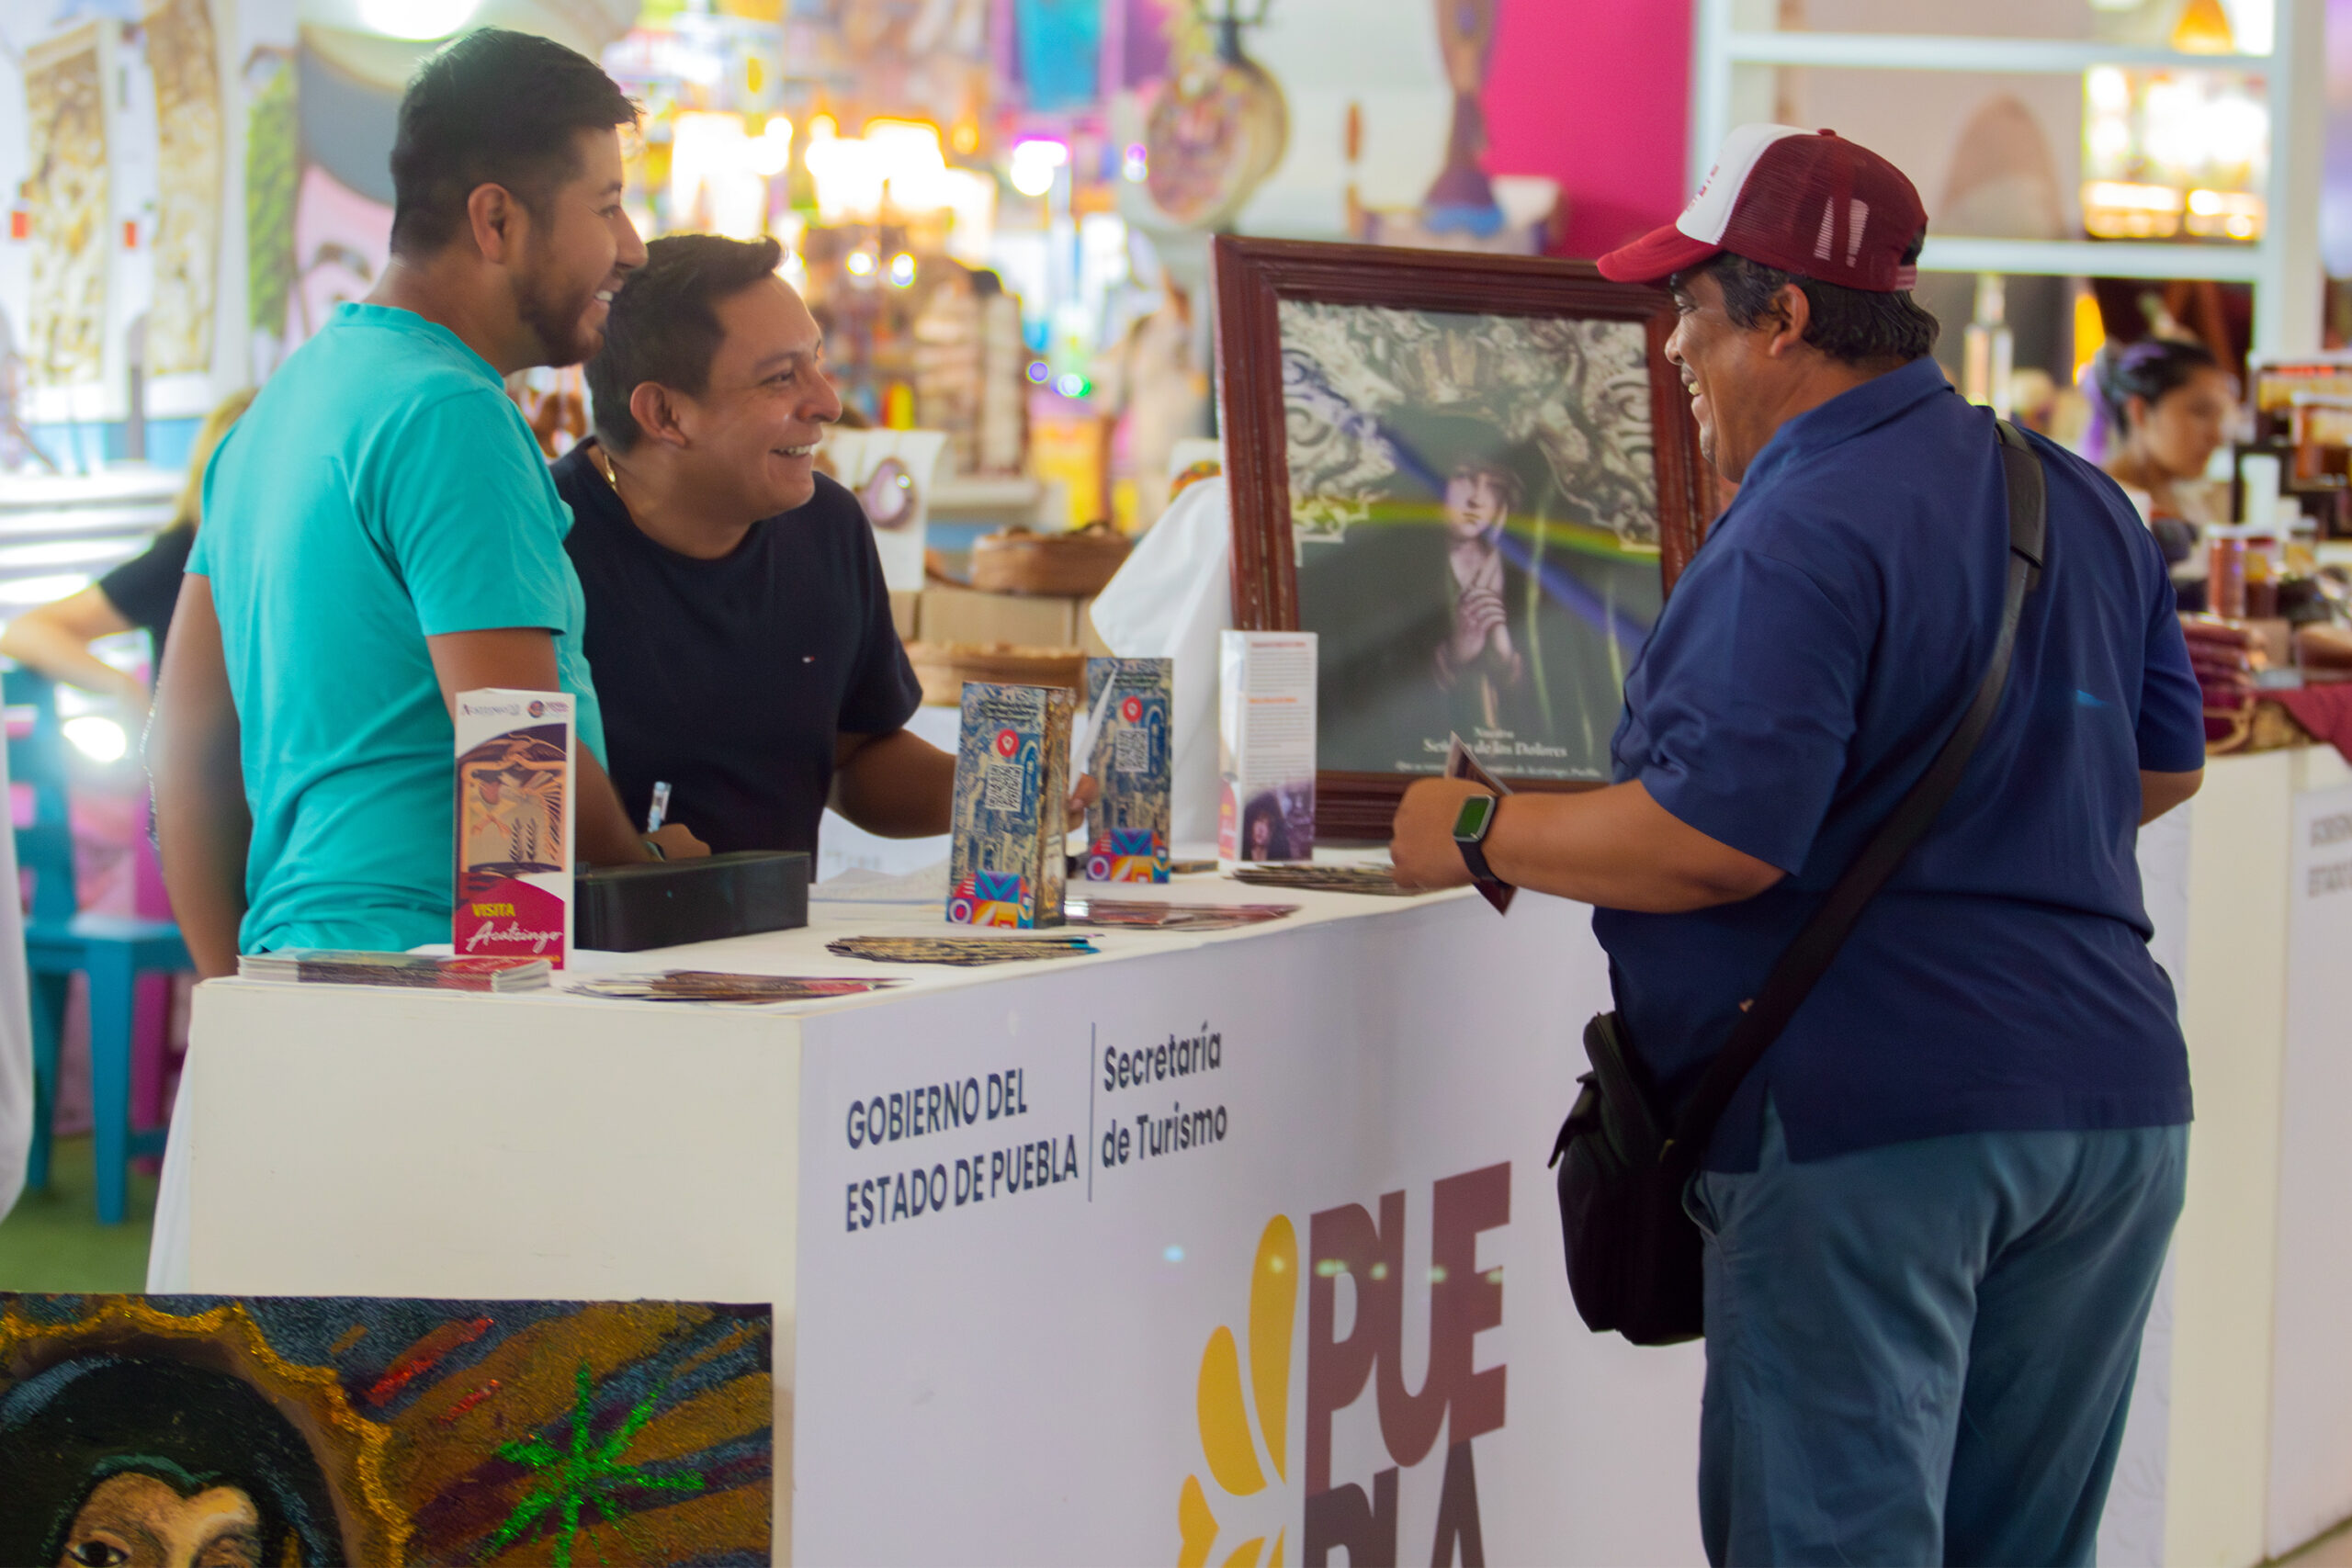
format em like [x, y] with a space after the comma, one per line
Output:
[1007, 861]
[1266, 746]
[514, 825]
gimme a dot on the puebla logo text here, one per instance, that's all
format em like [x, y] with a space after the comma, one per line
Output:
[1356, 1514]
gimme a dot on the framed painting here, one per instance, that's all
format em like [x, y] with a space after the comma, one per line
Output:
[1474, 478]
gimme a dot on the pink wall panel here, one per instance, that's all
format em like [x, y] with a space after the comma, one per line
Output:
[1596, 95]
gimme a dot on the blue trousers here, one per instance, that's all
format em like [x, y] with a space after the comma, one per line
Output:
[1923, 1353]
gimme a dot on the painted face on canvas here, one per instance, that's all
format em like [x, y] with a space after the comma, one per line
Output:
[132, 1520]
[579, 243]
[1475, 502]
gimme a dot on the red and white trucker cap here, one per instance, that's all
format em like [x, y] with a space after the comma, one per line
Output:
[1817, 205]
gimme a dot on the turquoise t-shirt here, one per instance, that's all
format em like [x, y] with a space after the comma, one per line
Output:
[381, 489]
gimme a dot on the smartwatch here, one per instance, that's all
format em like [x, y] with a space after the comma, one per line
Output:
[1470, 829]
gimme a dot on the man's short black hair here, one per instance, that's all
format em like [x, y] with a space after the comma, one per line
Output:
[664, 323]
[1859, 326]
[494, 107]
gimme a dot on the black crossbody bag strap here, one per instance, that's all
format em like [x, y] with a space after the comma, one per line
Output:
[1808, 957]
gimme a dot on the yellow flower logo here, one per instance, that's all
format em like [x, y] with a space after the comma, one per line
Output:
[1225, 1438]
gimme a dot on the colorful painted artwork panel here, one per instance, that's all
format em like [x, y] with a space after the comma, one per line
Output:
[318, 1430]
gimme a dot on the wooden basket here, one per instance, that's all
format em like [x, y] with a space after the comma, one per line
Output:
[1063, 566]
[944, 667]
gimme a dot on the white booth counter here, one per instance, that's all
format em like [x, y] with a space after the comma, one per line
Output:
[1223, 1248]
[1130, 1259]
[2260, 1323]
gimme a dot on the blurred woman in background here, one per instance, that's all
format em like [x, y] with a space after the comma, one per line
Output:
[2166, 408]
[55, 638]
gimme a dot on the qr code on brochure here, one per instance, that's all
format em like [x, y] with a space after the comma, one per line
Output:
[1131, 751]
[1001, 790]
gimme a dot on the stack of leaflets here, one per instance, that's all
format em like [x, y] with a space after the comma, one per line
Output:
[329, 966]
[1137, 914]
[717, 986]
[964, 951]
[1373, 878]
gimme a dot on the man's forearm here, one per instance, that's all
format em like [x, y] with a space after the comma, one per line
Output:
[203, 828]
[1618, 848]
[1614, 847]
[605, 834]
[203, 832]
[897, 785]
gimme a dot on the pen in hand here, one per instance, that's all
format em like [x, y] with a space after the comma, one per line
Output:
[660, 808]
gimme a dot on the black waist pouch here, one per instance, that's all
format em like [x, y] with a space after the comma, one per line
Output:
[1633, 1252]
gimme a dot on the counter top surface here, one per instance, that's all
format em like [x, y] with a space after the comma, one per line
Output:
[802, 952]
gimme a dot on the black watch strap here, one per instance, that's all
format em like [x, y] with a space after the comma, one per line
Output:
[1474, 851]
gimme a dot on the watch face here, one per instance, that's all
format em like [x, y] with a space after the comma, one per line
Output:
[1475, 811]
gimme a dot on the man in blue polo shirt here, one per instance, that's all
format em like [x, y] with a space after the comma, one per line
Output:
[1936, 1211]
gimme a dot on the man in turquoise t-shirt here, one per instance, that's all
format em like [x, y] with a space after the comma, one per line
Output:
[380, 533]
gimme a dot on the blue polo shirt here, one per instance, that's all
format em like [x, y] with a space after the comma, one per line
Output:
[1808, 666]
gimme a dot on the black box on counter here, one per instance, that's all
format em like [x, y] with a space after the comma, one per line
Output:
[628, 908]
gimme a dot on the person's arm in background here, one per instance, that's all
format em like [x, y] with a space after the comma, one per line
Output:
[55, 639]
[203, 828]
[523, 658]
[901, 786]
[896, 786]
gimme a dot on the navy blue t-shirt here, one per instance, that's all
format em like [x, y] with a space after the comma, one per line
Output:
[730, 679]
[1810, 661]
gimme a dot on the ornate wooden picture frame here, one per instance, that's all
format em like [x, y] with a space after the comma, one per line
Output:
[1475, 477]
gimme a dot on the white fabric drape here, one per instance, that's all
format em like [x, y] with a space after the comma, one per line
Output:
[1169, 600]
[16, 1027]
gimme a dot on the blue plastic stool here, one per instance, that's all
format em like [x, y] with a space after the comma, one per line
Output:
[110, 951]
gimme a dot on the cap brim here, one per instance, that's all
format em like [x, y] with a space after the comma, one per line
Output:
[1655, 257]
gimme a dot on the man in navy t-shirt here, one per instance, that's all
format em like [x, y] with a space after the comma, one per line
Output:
[738, 627]
[1936, 1211]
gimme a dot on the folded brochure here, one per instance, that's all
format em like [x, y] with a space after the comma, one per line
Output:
[1461, 762]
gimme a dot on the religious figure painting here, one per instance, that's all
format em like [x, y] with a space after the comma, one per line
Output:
[1472, 478]
[266, 1432]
